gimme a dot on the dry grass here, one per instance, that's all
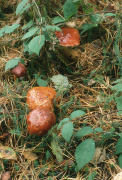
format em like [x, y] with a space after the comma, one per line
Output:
[91, 96]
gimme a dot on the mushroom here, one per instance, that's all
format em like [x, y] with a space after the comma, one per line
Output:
[68, 37]
[41, 97]
[19, 70]
[39, 121]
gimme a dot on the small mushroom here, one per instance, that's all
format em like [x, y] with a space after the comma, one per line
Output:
[39, 121]
[19, 70]
[68, 37]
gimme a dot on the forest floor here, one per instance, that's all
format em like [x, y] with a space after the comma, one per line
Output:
[91, 69]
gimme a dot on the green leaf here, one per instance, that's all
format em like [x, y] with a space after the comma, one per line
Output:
[92, 175]
[96, 18]
[10, 29]
[12, 63]
[87, 26]
[76, 114]
[84, 131]
[30, 33]
[119, 146]
[120, 160]
[84, 153]
[110, 14]
[98, 130]
[20, 6]
[67, 131]
[26, 8]
[41, 82]
[57, 20]
[52, 28]
[28, 25]
[65, 120]
[36, 44]
[119, 104]
[117, 87]
[117, 81]
[57, 151]
[69, 9]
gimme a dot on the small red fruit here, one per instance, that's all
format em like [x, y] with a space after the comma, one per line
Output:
[19, 70]
[39, 121]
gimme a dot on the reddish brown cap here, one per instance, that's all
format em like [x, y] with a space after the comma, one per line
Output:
[38, 97]
[68, 37]
[19, 70]
[39, 121]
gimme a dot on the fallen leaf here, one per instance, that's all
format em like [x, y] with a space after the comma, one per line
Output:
[99, 156]
[7, 153]
[30, 155]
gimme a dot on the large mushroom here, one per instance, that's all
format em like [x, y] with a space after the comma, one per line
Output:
[41, 97]
[39, 121]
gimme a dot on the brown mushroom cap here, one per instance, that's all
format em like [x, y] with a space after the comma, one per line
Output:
[19, 70]
[39, 97]
[68, 37]
[39, 121]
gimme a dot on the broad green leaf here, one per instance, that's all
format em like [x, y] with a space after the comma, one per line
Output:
[67, 131]
[98, 130]
[119, 146]
[7, 153]
[84, 153]
[96, 18]
[117, 87]
[30, 33]
[57, 20]
[20, 6]
[52, 28]
[57, 151]
[69, 9]
[36, 44]
[65, 120]
[26, 8]
[84, 131]
[120, 160]
[86, 27]
[117, 81]
[10, 29]
[28, 25]
[41, 82]
[12, 63]
[119, 104]
[76, 1]
[25, 45]
[76, 114]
